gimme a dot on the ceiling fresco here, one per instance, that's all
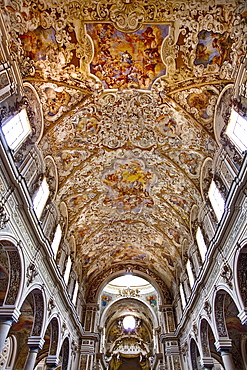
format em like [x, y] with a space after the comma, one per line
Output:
[128, 91]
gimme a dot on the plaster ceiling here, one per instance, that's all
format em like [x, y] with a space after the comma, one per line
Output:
[128, 90]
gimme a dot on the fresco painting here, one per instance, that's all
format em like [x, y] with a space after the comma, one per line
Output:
[212, 48]
[105, 299]
[152, 299]
[167, 126]
[128, 186]
[201, 102]
[38, 44]
[127, 60]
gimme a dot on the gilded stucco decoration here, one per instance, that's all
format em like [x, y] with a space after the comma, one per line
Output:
[128, 91]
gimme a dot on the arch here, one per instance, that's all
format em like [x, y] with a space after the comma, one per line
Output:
[98, 283]
[14, 287]
[229, 328]
[55, 331]
[49, 352]
[30, 325]
[204, 339]
[105, 313]
[218, 312]
[39, 312]
[65, 354]
[194, 355]
[39, 304]
[207, 344]
[241, 274]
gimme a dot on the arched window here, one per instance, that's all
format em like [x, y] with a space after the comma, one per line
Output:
[237, 130]
[40, 198]
[56, 240]
[217, 201]
[190, 273]
[67, 270]
[16, 129]
[201, 243]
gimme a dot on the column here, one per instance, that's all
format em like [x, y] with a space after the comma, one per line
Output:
[90, 317]
[8, 315]
[52, 362]
[227, 359]
[87, 354]
[243, 316]
[34, 344]
[207, 363]
[172, 352]
[76, 364]
[223, 346]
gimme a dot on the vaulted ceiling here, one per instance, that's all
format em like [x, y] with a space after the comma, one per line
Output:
[128, 91]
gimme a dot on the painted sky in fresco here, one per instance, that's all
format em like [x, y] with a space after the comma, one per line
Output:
[129, 185]
[127, 60]
[212, 48]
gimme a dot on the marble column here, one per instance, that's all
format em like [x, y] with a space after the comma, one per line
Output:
[227, 359]
[87, 350]
[31, 358]
[172, 352]
[223, 346]
[207, 363]
[76, 364]
[34, 344]
[8, 315]
[52, 362]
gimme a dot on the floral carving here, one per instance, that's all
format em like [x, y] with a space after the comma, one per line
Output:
[226, 273]
[127, 15]
[31, 273]
[208, 308]
[219, 315]
[3, 217]
[38, 312]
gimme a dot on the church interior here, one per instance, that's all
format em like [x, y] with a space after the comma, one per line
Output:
[123, 196]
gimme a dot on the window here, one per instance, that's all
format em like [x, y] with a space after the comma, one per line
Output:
[40, 198]
[237, 130]
[67, 270]
[16, 129]
[201, 243]
[75, 293]
[216, 200]
[190, 273]
[129, 322]
[56, 239]
[181, 289]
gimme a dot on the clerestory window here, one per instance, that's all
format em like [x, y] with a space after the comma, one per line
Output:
[16, 129]
[190, 273]
[67, 270]
[201, 243]
[217, 200]
[56, 240]
[40, 198]
[237, 130]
